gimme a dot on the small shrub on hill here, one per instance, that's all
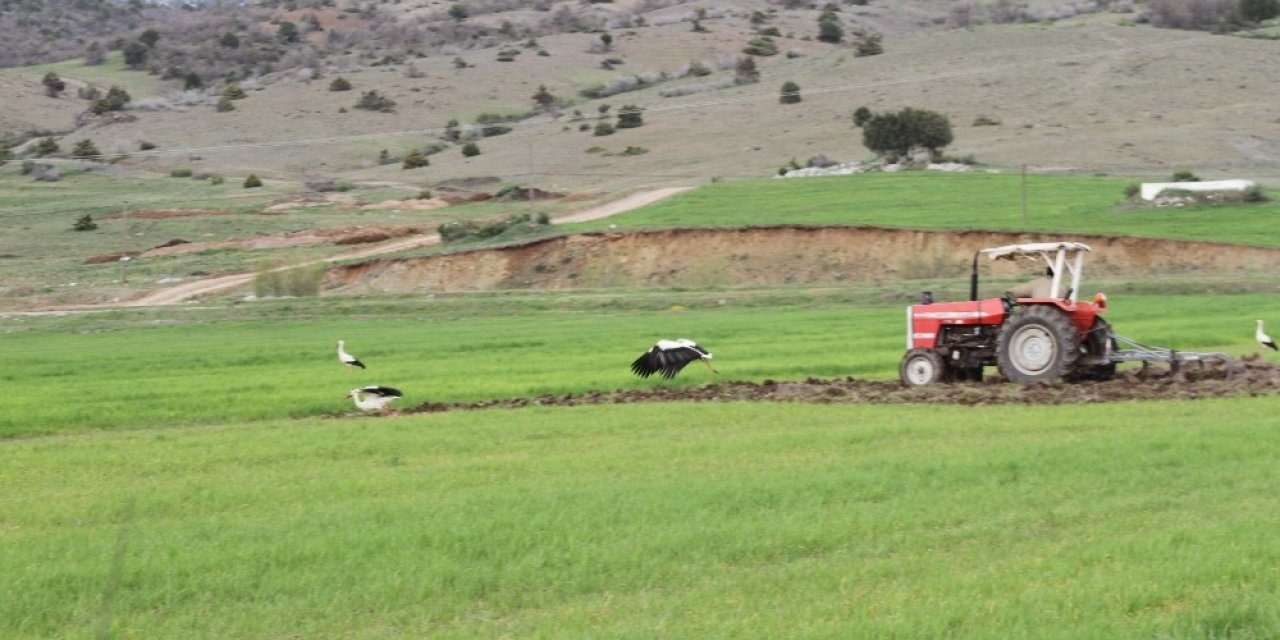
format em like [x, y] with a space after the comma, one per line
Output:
[470, 149]
[180, 173]
[604, 129]
[373, 101]
[85, 149]
[252, 182]
[340, 84]
[84, 223]
[761, 46]
[629, 117]
[790, 93]
[1184, 176]
[415, 159]
[45, 147]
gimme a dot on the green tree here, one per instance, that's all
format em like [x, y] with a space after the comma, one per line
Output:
[894, 136]
[604, 129]
[745, 72]
[885, 135]
[252, 182]
[115, 100]
[85, 149]
[94, 55]
[470, 149]
[607, 40]
[458, 12]
[192, 81]
[544, 98]
[629, 117]
[340, 84]
[373, 101]
[135, 55]
[287, 32]
[45, 147]
[229, 41]
[860, 116]
[84, 223]
[414, 159]
[868, 44]
[149, 37]
[1259, 10]
[53, 85]
[790, 93]
[829, 29]
[928, 130]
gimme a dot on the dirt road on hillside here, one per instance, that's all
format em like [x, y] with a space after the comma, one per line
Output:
[222, 284]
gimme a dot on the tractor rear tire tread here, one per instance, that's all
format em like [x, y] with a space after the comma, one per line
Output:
[1053, 323]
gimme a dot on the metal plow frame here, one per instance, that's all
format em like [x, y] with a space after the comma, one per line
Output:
[1135, 351]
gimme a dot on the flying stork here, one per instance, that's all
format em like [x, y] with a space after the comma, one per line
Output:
[374, 397]
[1264, 339]
[669, 357]
[348, 359]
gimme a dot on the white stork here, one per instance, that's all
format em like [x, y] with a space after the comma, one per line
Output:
[669, 357]
[348, 359]
[1264, 339]
[374, 397]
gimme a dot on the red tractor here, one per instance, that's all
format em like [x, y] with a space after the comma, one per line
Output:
[1037, 334]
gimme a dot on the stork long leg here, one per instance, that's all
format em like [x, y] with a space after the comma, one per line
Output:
[708, 363]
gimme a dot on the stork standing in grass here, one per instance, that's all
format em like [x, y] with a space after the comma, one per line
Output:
[668, 357]
[1264, 339]
[374, 397]
[345, 358]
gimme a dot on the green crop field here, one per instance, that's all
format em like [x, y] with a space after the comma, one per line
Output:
[639, 521]
[955, 201]
[178, 369]
[196, 472]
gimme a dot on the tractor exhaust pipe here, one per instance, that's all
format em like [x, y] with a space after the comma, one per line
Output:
[973, 278]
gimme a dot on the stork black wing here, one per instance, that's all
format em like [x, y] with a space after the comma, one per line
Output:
[667, 362]
[676, 359]
[645, 365]
[383, 391]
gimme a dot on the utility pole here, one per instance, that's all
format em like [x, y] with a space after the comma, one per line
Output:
[1024, 196]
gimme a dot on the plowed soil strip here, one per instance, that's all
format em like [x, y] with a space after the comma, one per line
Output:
[1249, 377]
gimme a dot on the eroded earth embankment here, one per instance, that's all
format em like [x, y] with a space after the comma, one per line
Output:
[773, 255]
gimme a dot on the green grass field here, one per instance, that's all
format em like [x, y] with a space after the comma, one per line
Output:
[174, 368]
[711, 521]
[194, 471]
[921, 200]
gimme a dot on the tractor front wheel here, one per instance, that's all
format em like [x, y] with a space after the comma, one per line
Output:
[1037, 344]
[922, 367]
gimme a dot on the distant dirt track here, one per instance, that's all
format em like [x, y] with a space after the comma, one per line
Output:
[1249, 376]
[222, 284]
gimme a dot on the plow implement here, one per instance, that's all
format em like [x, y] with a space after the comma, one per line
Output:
[1129, 350]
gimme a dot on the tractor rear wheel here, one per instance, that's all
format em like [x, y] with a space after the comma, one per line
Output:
[922, 367]
[1038, 343]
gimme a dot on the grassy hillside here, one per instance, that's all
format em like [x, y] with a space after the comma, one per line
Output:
[957, 201]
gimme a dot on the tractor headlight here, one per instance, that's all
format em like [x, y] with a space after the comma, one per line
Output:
[1100, 300]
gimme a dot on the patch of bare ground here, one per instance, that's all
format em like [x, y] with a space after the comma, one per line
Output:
[304, 238]
[162, 214]
[1250, 376]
